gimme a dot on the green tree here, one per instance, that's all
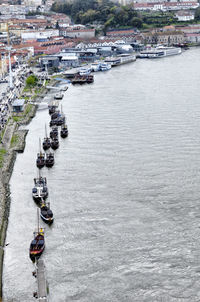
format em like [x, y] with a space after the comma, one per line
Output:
[136, 22]
[31, 81]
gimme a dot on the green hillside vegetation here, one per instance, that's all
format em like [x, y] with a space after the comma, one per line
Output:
[103, 12]
[110, 15]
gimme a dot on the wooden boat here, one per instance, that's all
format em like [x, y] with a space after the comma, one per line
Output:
[40, 161]
[53, 123]
[54, 143]
[60, 120]
[37, 245]
[90, 79]
[46, 142]
[64, 131]
[54, 133]
[40, 190]
[82, 79]
[49, 161]
[52, 109]
[55, 115]
[52, 106]
[46, 213]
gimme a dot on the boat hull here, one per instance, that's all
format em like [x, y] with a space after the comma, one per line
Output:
[47, 220]
[36, 254]
[54, 145]
[38, 199]
[40, 165]
[64, 135]
[49, 164]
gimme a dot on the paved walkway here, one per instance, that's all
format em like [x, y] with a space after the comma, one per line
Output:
[10, 128]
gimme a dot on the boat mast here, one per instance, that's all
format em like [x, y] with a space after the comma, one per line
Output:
[46, 130]
[40, 150]
[38, 220]
[39, 172]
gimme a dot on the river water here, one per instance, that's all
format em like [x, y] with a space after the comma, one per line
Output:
[125, 190]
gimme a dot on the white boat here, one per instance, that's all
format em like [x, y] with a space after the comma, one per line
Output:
[113, 61]
[151, 54]
[84, 71]
[169, 51]
[63, 87]
[127, 58]
[121, 59]
[95, 66]
[160, 52]
[58, 96]
[105, 66]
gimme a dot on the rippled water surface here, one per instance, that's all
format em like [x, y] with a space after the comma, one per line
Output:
[125, 190]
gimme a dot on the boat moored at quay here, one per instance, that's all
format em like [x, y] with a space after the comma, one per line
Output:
[100, 66]
[46, 141]
[78, 79]
[45, 212]
[120, 59]
[58, 96]
[160, 52]
[40, 161]
[54, 133]
[54, 144]
[40, 190]
[95, 66]
[37, 245]
[49, 160]
[84, 71]
[105, 66]
[64, 131]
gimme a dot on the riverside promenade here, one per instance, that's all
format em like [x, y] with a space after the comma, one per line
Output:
[13, 141]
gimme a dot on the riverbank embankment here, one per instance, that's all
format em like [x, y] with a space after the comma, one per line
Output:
[13, 141]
